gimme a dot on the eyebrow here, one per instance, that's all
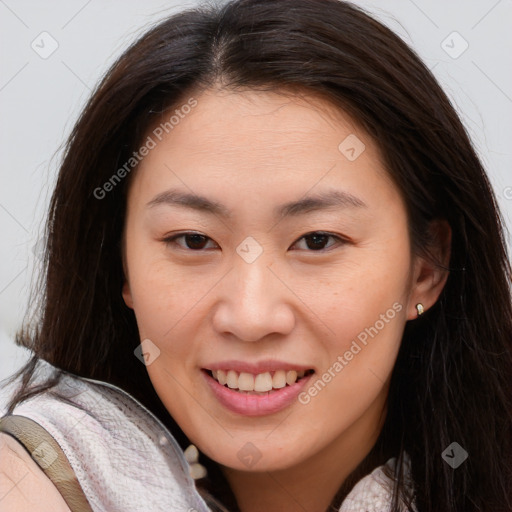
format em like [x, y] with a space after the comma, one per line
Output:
[328, 199]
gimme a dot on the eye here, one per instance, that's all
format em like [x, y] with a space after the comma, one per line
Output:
[193, 241]
[315, 241]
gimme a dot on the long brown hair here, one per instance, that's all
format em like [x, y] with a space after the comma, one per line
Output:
[451, 380]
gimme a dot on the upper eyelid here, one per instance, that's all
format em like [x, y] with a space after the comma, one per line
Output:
[175, 236]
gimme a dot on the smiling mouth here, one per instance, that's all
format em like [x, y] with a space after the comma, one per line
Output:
[260, 384]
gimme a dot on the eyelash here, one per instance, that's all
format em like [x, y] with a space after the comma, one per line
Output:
[172, 239]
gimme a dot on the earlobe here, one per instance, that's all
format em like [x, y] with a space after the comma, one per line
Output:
[431, 272]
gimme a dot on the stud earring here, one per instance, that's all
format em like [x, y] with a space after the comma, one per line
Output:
[420, 309]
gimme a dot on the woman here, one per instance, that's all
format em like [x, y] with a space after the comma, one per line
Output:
[271, 238]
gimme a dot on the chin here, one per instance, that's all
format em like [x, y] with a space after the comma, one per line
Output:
[256, 456]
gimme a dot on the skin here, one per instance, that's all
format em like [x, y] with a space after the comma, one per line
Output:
[298, 302]
[23, 484]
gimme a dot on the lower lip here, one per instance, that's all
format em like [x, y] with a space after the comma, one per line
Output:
[256, 405]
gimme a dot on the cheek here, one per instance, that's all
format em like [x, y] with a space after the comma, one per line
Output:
[368, 296]
[167, 302]
[356, 372]
[163, 306]
[161, 294]
[366, 314]
[366, 339]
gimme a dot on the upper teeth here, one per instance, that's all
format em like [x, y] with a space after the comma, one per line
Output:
[261, 382]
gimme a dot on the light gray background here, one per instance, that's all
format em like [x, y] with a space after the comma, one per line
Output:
[40, 99]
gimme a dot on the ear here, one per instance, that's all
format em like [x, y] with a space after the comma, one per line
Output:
[126, 291]
[127, 294]
[430, 273]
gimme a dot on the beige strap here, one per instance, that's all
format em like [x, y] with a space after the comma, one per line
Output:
[50, 458]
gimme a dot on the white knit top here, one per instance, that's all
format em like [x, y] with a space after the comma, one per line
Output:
[126, 460]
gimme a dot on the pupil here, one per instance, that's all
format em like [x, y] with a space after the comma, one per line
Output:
[317, 239]
[196, 240]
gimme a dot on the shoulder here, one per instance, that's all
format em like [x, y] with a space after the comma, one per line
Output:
[122, 455]
[23, 485]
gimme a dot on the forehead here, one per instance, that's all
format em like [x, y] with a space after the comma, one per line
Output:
[259, 143]
[268, 124]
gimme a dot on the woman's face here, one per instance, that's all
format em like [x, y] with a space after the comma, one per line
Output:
[264, 241]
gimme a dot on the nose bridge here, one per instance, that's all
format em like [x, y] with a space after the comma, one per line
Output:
[253, 285]
[251, 273]
[253, 300]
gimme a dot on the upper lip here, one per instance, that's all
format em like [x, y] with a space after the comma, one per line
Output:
[256, 368]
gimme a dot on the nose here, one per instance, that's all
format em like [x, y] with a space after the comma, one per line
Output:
[254, 302]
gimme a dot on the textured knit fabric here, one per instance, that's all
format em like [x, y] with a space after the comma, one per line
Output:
[126, 460]
[373, 492]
